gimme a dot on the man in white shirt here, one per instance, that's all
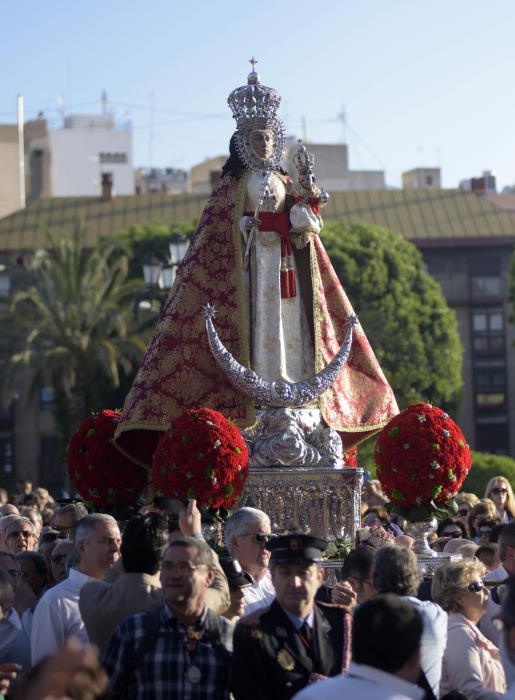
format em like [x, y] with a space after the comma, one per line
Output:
[247, 534]
[396, 571]
[379, 670]
[57, 616]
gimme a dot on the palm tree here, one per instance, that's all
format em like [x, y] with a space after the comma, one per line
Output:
[72, 325]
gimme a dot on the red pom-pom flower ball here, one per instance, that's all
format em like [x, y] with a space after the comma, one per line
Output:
[422, 459]
[202, 456]
[102, 475]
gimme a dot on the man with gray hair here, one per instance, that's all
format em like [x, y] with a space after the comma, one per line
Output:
[247, 534]
[66, 516]
[20, 536]
[57, 616]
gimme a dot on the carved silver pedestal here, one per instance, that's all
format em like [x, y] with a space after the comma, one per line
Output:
[292, 437]
[322, 501]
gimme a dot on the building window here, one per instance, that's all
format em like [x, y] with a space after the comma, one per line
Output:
[485, 288]
[488, 331]
[493, 436]
[119, 158]
[437, 264]
[485, 277]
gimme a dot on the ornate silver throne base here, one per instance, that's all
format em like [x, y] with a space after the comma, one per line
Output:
[297, 475]
[322, 501]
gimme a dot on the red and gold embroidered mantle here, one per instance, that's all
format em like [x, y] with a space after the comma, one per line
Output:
[179, 372]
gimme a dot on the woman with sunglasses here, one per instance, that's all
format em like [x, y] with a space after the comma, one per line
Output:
[471, 663]
[500, 492]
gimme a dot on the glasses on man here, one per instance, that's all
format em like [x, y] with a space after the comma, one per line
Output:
[499, 489]
[183, 568]
[14, 573]
[258, 538]
[476, 586]
[26, 534]
[463, 512]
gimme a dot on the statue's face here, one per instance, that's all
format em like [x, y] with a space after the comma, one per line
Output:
[262, 143]
[307, 180]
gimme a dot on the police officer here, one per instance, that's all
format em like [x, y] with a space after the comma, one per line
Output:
[280, 649]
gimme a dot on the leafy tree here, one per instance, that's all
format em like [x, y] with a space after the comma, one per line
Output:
[484, 467]
[72, 326]
[402, 310]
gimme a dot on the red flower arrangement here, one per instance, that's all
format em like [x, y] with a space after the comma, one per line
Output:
[350, 457]
[422, 460]
[101, 474]
[202, 456]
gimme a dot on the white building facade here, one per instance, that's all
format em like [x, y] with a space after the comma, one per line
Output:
[80, 156]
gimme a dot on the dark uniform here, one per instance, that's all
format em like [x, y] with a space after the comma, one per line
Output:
[272, 660]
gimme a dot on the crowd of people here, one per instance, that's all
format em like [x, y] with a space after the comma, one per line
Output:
[145, 608]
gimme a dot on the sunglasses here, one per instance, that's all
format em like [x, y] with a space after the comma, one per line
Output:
[476, 586]
[498, 490]
[26, 534]
[453, 533]
[463, 512]
[259, 538]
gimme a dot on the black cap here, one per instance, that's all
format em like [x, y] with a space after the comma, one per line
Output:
[296, 549]
[236, 577]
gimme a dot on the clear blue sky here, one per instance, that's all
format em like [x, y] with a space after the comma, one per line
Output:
[422, 83]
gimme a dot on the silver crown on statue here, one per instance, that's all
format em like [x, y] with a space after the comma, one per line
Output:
[254, 102]
[254, 107]
[303, 160]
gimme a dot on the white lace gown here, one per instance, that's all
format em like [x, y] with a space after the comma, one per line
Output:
[281, 345]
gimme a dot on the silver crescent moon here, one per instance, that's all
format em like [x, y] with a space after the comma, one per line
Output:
[269, 393]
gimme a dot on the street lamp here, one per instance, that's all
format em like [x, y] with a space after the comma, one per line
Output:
[178, 246]
[161, 276]
[151, 272]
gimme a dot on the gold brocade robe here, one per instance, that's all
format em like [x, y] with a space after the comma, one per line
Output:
[178, 370]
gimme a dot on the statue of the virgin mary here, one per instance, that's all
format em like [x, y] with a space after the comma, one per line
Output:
[256, 256]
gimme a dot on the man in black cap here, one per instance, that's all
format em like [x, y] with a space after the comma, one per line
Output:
[280, 649]
[238, 580]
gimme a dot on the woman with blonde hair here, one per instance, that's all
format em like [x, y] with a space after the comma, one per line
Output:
[500, 492]
[471, 663]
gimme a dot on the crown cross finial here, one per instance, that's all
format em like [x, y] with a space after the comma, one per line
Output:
[253, 62]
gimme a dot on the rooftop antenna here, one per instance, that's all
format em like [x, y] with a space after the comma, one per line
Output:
[151, 97]
[103, 101]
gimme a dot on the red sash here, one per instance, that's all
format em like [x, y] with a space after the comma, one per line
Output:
[280, 223]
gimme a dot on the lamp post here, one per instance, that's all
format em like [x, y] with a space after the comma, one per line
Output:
[159, 277]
